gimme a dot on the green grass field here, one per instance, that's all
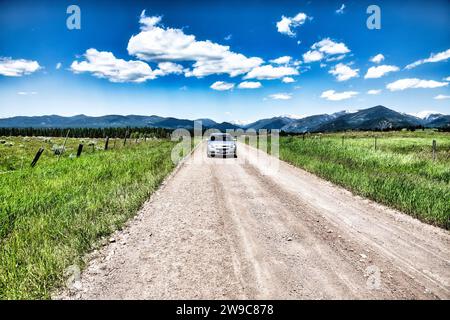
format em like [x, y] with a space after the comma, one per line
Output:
[401, 173]
[51, 215]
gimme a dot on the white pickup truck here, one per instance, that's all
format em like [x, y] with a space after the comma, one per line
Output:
[221, 145]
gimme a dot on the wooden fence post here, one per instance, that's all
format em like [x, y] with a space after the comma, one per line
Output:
[125, 140]
[434, 150]
[342, 140]
[80, 149]
[64, 145]
[37, 156]
[106, 143]
[375, 143]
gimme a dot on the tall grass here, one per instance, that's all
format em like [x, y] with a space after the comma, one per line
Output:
[400, 173]
[51, 215]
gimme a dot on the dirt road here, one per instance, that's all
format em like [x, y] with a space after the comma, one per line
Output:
[229, 228]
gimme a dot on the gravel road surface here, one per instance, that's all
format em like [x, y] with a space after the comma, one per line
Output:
[258, 228]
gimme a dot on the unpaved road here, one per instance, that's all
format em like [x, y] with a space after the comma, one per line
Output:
[228, 228]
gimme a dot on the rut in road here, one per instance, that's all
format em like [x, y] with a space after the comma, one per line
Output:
[256, 227]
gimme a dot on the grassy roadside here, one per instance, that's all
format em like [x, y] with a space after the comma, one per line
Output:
[50, 216]
[400, 173]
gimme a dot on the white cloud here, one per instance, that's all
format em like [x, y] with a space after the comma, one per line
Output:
[447, 79]
[288, 80]
[250, 85]
[155, 43]
[373, 92]
[379, 71]
[269, 72]
[434, 57]
[338, 58]
[341, 9]
[26, 93]
[58, 66]
[328, 46]
[441, 97]
[281, 96]
[325, 47]
[17, 68]
[282, 60]
[409, 83]
[286, 24]
[377, 59]
[148, 22]
[222, 86]
[337, 96]
[312, 56]
[165, 68]
[228, 37]
[343, 72]
[103, 64]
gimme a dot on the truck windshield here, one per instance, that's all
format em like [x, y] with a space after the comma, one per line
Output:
[221, 138]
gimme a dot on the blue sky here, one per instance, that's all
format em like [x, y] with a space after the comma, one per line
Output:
[191, 59]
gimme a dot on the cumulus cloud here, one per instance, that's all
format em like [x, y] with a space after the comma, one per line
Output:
[328, 46]
[337, 96]
[103, 64]
[282, 60]
[222, 86]
[155, 43]
[441, 97]
[287, 80]
[324, 48]
[373, 92]
[286, 24]
[58, 66]
[268, 72]
[165, 68]
[379, 71]
[250, 85]
[148, 22]
[434, 57]
[341, 9]
[377, 59]
[17, 68]
[343, 72]
[280, 96]
[410, 83]
[312, 56]
[447, 79]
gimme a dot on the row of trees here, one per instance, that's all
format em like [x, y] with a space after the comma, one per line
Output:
[87, 132]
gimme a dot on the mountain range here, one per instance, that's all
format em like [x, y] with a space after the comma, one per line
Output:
[375, 118]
